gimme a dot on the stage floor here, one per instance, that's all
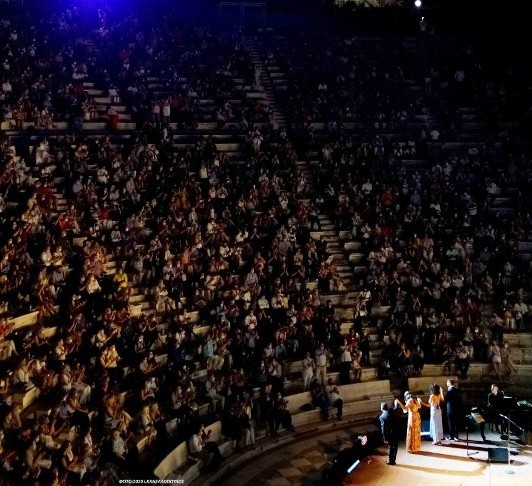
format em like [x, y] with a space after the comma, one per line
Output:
[448, 465]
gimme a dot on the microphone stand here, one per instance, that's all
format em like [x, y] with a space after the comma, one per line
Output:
[509, 471]
[469, 418]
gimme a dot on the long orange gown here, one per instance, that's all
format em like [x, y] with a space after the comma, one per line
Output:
[413, 431]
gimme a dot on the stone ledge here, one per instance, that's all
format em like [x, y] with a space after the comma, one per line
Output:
[358, 419]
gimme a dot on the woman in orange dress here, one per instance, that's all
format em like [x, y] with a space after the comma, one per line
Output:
[413, 431]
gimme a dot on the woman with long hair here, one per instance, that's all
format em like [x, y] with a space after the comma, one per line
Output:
[436, 423]
[413, 431]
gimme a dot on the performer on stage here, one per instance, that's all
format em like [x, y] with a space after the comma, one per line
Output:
[496, 407]
[413, 431]
[435, 402]
[389, 429]
[453, 409]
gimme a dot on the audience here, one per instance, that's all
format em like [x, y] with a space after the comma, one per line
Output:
[218, 244]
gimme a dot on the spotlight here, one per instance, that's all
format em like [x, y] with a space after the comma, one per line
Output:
[417, 3]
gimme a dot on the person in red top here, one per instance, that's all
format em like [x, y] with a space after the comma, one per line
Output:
[46, 197]
[387, 198]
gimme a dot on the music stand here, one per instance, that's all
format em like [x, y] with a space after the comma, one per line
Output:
[509, 470]
[475, 418]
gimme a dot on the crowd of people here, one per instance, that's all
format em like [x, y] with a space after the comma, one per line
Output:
[228, 241]
[442, 239]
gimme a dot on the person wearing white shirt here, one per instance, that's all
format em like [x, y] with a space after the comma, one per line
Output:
[46, 257]
[334, 398]
[520, 313]
[207, 451]
[322, 355]
[119, 446]
[307, 372]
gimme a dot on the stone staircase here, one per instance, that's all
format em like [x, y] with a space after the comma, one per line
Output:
[270, 79]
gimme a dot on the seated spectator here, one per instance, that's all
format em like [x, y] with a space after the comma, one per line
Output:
[71, 464]
[203, 449]
[333, 395]
[462, 359]
[281, 414]
[109, 359]
[72, 380]
[319, 398]
[213, 389]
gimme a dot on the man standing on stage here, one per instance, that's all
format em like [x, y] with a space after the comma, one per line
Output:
[453, 401]
[389, 431]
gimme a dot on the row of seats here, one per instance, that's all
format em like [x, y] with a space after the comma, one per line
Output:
[359, 399]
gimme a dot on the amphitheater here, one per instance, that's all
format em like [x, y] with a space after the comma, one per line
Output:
[365, 170]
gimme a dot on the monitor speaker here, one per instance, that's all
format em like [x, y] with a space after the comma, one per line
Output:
[498, 454]
[425, 429]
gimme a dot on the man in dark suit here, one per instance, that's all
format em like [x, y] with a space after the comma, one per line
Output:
[454, 403]
[389, 432]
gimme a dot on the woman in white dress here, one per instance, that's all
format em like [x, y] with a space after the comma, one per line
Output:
[435, 404]
[308, 371]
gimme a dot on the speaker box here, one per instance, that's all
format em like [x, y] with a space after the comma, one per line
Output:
[498, 454]
[425, 429]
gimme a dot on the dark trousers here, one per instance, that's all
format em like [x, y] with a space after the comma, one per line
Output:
[323, 404]
[392, 451]
[482, 427]
[501, 425]
[284, 418]
[345, 369]
[452, 418]
[339, 404]
[463, 366]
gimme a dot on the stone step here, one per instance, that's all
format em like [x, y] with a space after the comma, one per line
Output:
[343, 313]
[137, 299]
[525, 246]
[340, 299]
[352, 246]
[502, 202]
[329, 234]
[520, 339]
[380, 310]
[356, 258]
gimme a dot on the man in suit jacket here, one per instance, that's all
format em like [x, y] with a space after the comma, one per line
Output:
[389, 432]
[454, 404]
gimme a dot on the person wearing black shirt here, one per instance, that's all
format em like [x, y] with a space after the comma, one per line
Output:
[319, 398]
[267, 408]
[389, 429]
[365, 346]
[453, 401]
[495, 407]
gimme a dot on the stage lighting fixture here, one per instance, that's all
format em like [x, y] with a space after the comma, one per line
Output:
[353, 466]
[417, 3]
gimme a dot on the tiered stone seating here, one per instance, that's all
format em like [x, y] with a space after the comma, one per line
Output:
[357, 397]
[351, 262]
[419, 385]
[360, 399]
[178, 464]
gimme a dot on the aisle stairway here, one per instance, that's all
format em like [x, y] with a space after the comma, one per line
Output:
[270, 76]
[349, 261]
